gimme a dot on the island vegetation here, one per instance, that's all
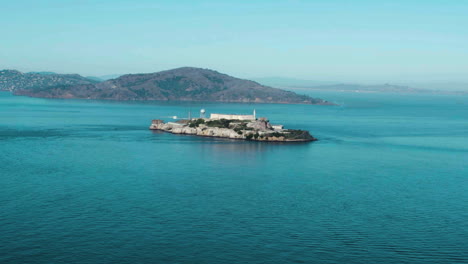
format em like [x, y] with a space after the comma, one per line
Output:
[16, 81]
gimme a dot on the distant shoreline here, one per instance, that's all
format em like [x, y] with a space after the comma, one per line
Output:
[161, 100]
[420, 91]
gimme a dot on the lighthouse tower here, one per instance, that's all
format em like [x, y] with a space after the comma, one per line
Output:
[255, 114]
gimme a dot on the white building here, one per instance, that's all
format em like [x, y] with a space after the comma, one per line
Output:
[277, 127]
[234, 117]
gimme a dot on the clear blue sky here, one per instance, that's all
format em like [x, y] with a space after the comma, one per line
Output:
[319, 40]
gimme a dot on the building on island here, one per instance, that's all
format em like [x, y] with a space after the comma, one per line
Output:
[277, 127]
[234, 117]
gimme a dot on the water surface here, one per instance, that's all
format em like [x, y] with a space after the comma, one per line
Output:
[87, 182]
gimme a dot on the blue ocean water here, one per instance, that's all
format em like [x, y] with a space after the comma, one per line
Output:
[87, 182]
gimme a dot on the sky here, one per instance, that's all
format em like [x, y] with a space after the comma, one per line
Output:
[348, 41]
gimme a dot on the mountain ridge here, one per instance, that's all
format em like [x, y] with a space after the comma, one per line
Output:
[376, 88]
[180, 84]
[12, 80]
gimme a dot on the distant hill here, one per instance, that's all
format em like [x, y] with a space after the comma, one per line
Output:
[94, 78]
[290, 82]
[43, 73]
[109, 76]
[435, 87]
[368, 88]
[376, 88]
[182, 84]
[12, 80]
[452, 86]
[104, 77]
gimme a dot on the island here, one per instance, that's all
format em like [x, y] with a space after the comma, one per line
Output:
[233, 126]
[181, 84]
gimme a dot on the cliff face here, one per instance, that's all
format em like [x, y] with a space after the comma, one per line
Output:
[12, 80]
[182, 84]
[200, 131]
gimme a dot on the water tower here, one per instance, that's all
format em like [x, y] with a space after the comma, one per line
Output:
[202, 113]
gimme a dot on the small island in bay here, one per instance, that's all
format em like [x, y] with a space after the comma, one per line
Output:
[246, 127]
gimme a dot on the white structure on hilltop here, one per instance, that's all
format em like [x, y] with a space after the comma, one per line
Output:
[234, 117]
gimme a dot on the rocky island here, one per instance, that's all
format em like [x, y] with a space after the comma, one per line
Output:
[246, 127]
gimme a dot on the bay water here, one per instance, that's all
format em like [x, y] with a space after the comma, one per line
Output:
[85, 181]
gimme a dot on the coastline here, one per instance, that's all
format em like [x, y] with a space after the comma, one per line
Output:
[237, 139]
[249, 130]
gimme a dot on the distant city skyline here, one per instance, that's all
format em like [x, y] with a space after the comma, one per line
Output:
[348, 41]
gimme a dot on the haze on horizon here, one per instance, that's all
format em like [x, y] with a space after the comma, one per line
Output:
[346, 41]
